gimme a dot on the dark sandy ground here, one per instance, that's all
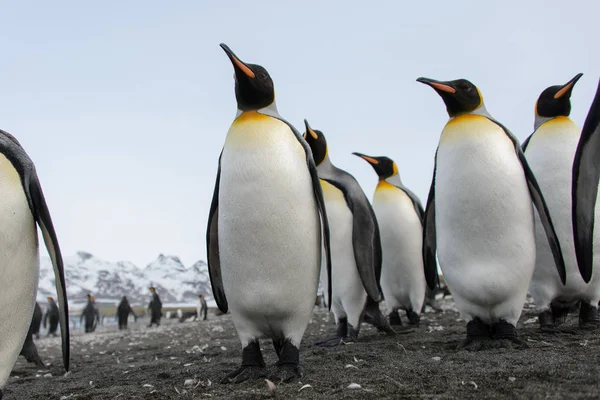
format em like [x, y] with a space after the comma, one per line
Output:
[187, 360]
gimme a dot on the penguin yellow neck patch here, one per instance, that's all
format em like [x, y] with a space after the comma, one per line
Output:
[250, 116]
[466, 125]
[384, 185]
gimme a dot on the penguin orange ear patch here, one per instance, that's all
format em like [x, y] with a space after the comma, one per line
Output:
[442, 87]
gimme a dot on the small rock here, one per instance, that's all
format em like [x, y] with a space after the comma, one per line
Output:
[189, 382]
[48, 375]
[147, 385]
[436, 358]
[223, 348]
[354, 386]
[512, 378]
[350, 366]
[188, 364]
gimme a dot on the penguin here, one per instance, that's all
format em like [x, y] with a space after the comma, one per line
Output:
[355, 247]
[155, 307]
[123, 311]
[479, 217]
[400, 215]
[265, 228]
[29, 350]
[584, 195]
[52, 317]
[89, 313]
[550, 151]
[22, 207]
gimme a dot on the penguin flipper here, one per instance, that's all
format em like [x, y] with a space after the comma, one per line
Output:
[526, 143]
[42, 216]
[212, 248]
[416, 203]
[429, 236]
[540, 204]
[586, 174]
[366, 241]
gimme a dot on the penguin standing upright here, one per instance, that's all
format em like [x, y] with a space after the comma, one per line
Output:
[52, 317]
[584, 195]
[22, 205]
[123, 311]
[265, 228]
[479, 216]
[355, 247]
[89, 313]
[400, 215]
[550, 151]
[155, 307]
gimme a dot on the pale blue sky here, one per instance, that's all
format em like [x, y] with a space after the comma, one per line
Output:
[124, 106]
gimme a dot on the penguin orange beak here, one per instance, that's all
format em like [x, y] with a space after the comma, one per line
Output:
[309, 131]
[441, 86]
[370, 160]
[567, 87]
[237, 63]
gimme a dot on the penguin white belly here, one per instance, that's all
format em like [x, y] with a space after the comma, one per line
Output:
[550, 155]
[19, 267]
[402, 273]
[269, 230]
[484, 220]
[348, 297]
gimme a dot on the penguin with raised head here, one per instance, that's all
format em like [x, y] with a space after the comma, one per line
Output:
[550, 151]
[265, 229]
[584, 195]
[22, 206]
[400, 215]
[479, 217]
[355, 247]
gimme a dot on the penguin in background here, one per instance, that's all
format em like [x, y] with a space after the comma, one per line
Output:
[400, 215]
[29, 350]
[265, 229]
[52, 317]
[550, 151]
[23, 206]
[479, 217]
[355, 247]
[584, 197]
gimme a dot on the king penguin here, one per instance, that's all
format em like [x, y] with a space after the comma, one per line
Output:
[400, 215]
[584, 195]
[355, 247]
[265, 228]
[22, 206]
[550, 151]
[479, 217]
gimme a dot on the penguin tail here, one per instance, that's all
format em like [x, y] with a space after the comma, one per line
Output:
[372, 315]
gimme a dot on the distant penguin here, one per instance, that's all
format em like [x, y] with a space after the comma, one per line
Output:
[155, 308]
[355, 247]
[123, 311]
[584, 195]
[51, 317]
[89, 315]
[550, 151]
[29, 350]
[400, 215]
[479, 216]
[23, 205]
[266, 222]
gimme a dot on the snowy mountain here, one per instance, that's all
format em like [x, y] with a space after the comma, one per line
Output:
[109, 281]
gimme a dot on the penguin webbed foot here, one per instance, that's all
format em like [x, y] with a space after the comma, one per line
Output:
[330, 342]
[479, 336]
[395, 319]
[288, 367]
[413, 318]
[244, 373]
[253, 365]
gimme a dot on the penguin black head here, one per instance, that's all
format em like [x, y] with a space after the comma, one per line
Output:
[460, 95]
[556, 100]
[316, 141]
[383, 166]
[253, 85]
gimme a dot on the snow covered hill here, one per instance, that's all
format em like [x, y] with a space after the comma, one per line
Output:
[109, 281]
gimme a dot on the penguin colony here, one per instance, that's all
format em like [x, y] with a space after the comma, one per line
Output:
[502, 219]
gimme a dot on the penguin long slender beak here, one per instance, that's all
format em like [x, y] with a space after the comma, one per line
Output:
[238, 64]
[368, 159]
[568, 87]
[310, 131]
[441, 86]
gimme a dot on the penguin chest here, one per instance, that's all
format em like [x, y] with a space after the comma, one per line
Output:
[484, 217]
[19, 266]
[269, 227]
[402, 277]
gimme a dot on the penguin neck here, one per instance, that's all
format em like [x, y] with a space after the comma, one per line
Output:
[326, 169]
[539, 121]
[481, 110]
[394, 180]
[270, 110]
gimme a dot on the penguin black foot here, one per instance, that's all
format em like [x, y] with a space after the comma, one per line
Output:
[413, 317]
[253, 365]
[506, 331]
[374, 317]
[340, 335]
[546, 320]
[479, 335]
[29, 351]
[588, 317]
[559, 312]
[395, 320]
[288, 366]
